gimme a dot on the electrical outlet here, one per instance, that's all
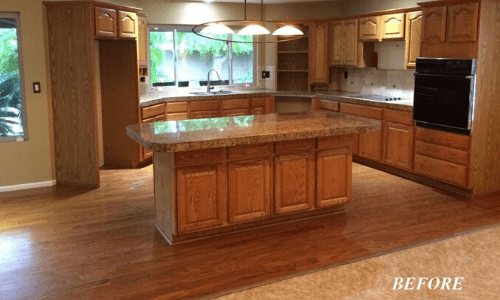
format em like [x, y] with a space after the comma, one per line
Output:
[266, 74]
[345, 75]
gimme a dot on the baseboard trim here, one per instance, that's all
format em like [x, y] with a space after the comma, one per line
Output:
[26, 186]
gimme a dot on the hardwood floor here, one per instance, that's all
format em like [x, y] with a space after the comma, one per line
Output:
[73, 243]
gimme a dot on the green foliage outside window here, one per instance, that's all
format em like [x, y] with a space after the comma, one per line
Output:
[10, 84]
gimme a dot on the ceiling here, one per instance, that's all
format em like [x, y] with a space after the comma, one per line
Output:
[269, 1]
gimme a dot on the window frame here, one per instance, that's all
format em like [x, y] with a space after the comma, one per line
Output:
[24, 137]
[174, 29]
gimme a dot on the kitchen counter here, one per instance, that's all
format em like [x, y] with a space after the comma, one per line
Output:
[219, 175]
[174, 136]
[157, 97]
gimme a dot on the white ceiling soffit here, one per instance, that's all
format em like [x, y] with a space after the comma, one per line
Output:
[267, 1]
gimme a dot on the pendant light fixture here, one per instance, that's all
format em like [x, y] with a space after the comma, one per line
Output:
[254, 28]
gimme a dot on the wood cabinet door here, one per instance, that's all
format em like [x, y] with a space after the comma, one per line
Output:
[333, 177]
[398, 145]
[236, 112]
[350, 45]
[320, 69]
[145, 152]
[294, 183]
[463, 22]
[370, 145]
[249, 190]
[177, 116]
[127, 24]
[392, 26]
[369, 28]
[258, 110]
[142, 41]
[203, 114]
[413, 37]
[336, 43]
[105, 22]
[434, 24]
[441, 170]
[201, 197]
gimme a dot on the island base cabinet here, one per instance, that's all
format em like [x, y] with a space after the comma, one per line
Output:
[333, 177]
[370, 145]
[294, 183]
[249, 190]
[201, 197]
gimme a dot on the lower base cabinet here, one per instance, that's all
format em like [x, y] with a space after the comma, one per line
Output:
[370, 145]
[398, 145]
[333, 177]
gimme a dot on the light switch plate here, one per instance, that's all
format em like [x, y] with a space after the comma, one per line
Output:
[36, 88]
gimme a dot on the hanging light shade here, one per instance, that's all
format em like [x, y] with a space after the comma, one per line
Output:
[254, 29]
[216, 28]
[288, 30]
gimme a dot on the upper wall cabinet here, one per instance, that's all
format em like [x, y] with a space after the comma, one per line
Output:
[105, 22]
[344, 43]
[392, 26]
[319, 44]
[142, 41]
[127, 24]
[462, 22]
[369, 28]
[434, 24]
[413, 36]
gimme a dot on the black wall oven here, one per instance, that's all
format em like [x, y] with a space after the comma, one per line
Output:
[444, 94]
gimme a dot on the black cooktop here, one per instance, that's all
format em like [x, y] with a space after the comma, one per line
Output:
[381, 98]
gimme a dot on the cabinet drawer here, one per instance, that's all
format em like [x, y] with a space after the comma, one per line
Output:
[236, 103]
[258, 110]
[151, 111]
[442, 152]
[335, 142]
[177, 116]
[442, 170]
[398, 116]
[362, 111]
[236, 112]
[328, 105]
[203, 156]
[177, 107]
[204, 105]
[257, 102]
[249, 151]
[442, 138]
[295, 146]
[203, 114]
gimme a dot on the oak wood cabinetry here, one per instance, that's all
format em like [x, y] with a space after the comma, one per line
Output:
[369, 144]
[369, 29]
[397, 148]
[205, 109]
[442, 155]
[318, 68]
[450, 30]
[344, 43]
[176, 111]
[413, 38]
[292, 63]
[236, 107]
[106, 22]
[142, 44]
[392, 26]
[127, 24]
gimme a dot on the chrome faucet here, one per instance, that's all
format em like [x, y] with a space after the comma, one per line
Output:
[208, 80]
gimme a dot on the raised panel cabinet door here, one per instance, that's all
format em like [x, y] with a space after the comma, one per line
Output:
[320, 50]
[127, 24]
[369, 28]
[333, 177]
[370, 145]
[236, 112]
[398, 145]
[350, 33]
[203, 114]
[336, 43]
[105, 23]
[463, 22]
[294, 183]
[201, 197]
[413, 37]
[142, 41]
[249, 190]
[393, 26]
[434, 24]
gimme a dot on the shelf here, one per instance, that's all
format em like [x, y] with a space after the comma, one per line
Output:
[293, 71]
[293, 52]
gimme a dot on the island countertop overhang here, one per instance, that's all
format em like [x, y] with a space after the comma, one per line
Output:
[196, 134]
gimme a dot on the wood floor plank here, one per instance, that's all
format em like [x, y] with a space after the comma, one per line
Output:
[74, 243]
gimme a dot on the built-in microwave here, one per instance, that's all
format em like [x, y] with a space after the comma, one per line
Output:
[444, 94]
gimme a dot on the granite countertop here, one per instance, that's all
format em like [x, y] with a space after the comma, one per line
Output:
[174, 136]
[157, 97]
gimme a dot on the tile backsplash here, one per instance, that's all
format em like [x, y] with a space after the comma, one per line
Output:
[368, 81]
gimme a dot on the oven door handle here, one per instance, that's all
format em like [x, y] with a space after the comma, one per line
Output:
[444, 76]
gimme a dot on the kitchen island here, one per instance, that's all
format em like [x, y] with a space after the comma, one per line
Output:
[225, 174]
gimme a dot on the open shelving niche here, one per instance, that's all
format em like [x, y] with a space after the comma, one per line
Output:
[292, 59]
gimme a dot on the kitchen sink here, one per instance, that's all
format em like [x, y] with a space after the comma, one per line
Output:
[213, 93]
